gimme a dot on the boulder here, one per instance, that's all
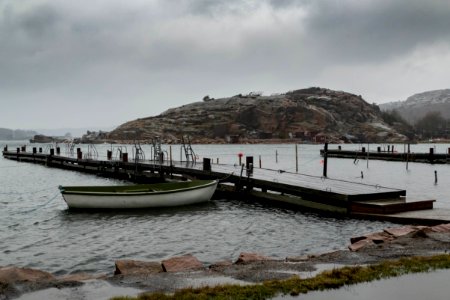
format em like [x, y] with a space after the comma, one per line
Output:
[182, 263]
[360, 244]
[248, 257]
[134, 267]
[377, 237]
[401, 231]
[11, 275]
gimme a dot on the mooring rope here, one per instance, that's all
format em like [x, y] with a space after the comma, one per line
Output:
[41, 205]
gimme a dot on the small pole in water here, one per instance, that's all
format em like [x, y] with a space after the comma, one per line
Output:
[325, 159]
[170, 154]
[435, 177]
[296, 158]
[276, 156]
[367, 156]
[260, 161]
[362, 175]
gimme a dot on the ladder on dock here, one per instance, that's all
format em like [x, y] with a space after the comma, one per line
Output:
[187, 147]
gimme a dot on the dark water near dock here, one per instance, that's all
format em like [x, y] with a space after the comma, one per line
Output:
[37, 230]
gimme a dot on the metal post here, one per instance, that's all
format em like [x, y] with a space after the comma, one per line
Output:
[325, 159]
[170, 154]
[435, 177]
[296, 158]
[276, 156]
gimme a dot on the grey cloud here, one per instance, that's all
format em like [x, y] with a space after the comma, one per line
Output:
[377, 30]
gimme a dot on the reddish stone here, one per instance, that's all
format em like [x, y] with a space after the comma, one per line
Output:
[401, 231]
[246, 257]
[442, 228]
[15, 274]
[377, 237]
[182, 263]
[360, 244]
[133, 267]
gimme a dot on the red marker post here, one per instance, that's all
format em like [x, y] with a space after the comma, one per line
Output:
[240, 154]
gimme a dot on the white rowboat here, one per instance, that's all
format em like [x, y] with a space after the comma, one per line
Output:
[139, 196]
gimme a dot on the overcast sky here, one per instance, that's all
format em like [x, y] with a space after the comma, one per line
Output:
[104, 62]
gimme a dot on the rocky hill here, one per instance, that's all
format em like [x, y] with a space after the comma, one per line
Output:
[312, 114]
[417, 106]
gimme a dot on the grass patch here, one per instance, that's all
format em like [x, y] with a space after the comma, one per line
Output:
[332, 279]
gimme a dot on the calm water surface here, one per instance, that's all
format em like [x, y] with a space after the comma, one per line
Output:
[37, 230]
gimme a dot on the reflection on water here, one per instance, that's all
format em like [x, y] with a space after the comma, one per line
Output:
[433, 285]
[37, 230]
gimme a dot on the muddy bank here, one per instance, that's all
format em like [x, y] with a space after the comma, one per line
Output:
[187, 271]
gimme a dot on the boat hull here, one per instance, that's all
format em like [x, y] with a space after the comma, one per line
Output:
[170, 198]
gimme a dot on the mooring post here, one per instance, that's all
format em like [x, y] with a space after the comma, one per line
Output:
[108, 154]
[170, 154]
[125, 157]
[79, 154]
[378, 149]
[24, 148]
[18, 150]
[52, 152]
[325, 159]
[296, 158]
[363, 149]
[58, 150]
[40, 149]
[217, 161]
[435, 177]
[409, 149]
[392, 148]
[206, 164]
[34, 150]
[260, 161]
[249, 165]
[5, 149]
[240, 158]
[431, 158]
[389, 148]
[339, 147]
[276, 156]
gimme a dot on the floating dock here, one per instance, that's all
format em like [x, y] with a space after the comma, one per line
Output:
[431, 157]
[245, 182]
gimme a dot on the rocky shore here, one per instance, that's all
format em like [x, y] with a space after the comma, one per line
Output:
[187, 271]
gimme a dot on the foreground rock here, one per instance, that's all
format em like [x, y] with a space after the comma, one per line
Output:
[391, 234]
[182, 264]
[133, 267]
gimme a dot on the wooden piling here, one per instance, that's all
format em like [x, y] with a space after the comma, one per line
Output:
[52, 151]
[24, 148]
[435, 177]
[108, 154]
[325, 159]
[40, 149]
[260, 161]
[170, 154]
[125, 157]
[34, 150]
[276, 156]
[296, 158]
[79, 154]
[58, 150]
[206, 164]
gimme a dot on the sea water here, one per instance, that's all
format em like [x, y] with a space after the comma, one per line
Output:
[38, 231]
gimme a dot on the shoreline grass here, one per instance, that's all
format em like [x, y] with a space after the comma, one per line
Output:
[331, 279]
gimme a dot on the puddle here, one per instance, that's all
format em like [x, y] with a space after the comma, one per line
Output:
[433, 285]
[91, 290]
